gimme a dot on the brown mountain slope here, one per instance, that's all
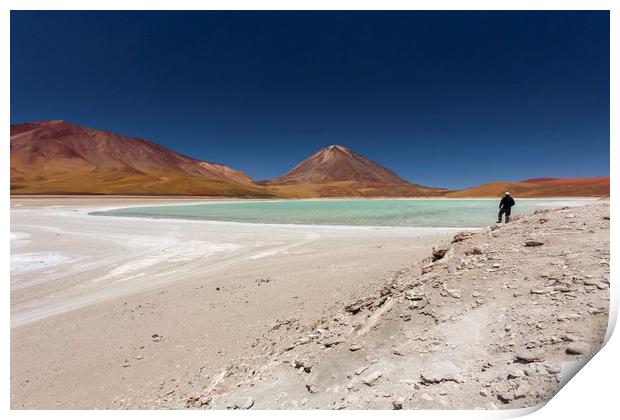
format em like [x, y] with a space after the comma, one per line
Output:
[540, 187]
[57, 157]
[336, 171]
[337, 163]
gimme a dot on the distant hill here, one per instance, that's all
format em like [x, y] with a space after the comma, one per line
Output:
[540, 187]
[336, 171]
[58, 157]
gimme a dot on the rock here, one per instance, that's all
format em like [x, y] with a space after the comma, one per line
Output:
[537, 291]
[289, 347]
[475, 294]
[514, 372]
[473, 251]
[418, 304]
[522, 391]
[156, 338]
[460, 237]
[372, 378]
[244, 404]
[355, 347]
[359, 304]
[413, 295]
[529, 356]
[568, 317]
[341, 405]
[198, 401]
[304, 365]
[379, 302]
[427, 268]
[397, 404]
[330, 342]
[247, 403]
[439, 372]
[361, 370]
[531, 243]
[577, 348]
[312, 388]
[439, 252]
[596, 311]
[571, 337]
[455, 293]
[263, 280]
[496, 265]
[505, 397]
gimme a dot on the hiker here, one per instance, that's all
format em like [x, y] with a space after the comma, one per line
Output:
[504, 207]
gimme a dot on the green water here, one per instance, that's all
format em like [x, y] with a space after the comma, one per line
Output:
[421, 213]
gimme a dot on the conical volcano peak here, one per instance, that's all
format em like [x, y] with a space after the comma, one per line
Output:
[337, 147]
[338, 163]
[338, 171]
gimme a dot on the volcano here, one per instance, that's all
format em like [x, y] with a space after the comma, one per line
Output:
[336, 171]
[58, 157]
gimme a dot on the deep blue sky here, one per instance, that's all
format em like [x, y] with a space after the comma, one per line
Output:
[448, 99]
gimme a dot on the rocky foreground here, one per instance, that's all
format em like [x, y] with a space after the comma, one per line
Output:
[485, 322]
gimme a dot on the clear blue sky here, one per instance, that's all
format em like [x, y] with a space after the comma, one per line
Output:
[449, 99]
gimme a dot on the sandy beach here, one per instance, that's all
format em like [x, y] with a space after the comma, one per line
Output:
[107, 309]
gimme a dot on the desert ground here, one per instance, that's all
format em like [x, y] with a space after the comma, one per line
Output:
[109, 312]
[142, 313]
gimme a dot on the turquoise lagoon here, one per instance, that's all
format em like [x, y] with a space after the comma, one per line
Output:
[356, 212]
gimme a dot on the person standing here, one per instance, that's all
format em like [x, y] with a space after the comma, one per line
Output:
[504, 207]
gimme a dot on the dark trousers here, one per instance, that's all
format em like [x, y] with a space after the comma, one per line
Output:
[506, 211]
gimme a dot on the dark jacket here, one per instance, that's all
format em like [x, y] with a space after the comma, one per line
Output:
[507, 202]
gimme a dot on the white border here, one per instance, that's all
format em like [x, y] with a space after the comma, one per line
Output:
[593, 394]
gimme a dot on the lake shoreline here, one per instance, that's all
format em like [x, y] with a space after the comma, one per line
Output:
[427, 213]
